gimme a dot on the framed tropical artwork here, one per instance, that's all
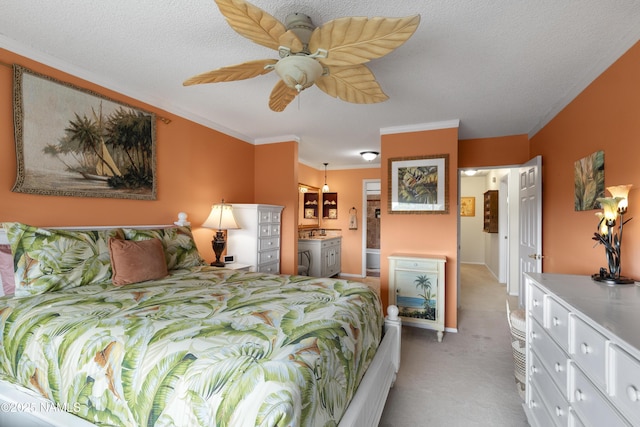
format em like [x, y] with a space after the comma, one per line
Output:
[419, 185]
[71, 141]
[588, 175]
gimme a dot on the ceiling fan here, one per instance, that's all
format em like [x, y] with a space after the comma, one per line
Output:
[332, 56]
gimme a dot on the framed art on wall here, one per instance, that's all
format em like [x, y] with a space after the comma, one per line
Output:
[419, 185]
[71, 141]
[467, 206]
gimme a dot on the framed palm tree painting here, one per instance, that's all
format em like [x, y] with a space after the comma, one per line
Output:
[71, 141]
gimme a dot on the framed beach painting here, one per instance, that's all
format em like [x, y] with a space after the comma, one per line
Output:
[419, 185]
[74, 142]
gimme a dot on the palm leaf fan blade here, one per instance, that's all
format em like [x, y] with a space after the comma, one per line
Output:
[291, 40]
[355, 84]
[242, 71]
[252, 22]
[281, 96]
[356, 40]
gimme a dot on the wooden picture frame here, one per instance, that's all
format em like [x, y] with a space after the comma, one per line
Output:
[71, 141]
[467, 206]
[419, 185]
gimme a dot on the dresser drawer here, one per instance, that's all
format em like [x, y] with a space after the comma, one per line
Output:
[266, 230]
[268, 256]
[556, 403]
[273, 268]
[536, 302]
[266, 216]
[266, 243]
[588, 348]
[558, 322]
[552, 357]
[590, 405]
[422, 265]
[538, 410]
[625, 383]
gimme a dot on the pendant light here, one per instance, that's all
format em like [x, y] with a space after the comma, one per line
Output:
[325, 187]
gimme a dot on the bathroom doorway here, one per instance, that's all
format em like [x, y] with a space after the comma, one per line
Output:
[371, 228]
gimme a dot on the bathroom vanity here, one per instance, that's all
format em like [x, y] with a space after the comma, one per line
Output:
[325, 254]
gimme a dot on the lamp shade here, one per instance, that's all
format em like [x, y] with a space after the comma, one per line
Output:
[221, 218]
[621, 191]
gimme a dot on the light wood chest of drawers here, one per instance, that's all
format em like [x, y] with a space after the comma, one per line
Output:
[583, 362]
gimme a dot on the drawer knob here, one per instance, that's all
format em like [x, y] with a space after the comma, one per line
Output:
[559, 411]
[534, 369]
[558, 367]
[556, 321]
[579, 395]
[585, 348]
[535, 303]
[533, 335]
[270, 243]
[633, 393]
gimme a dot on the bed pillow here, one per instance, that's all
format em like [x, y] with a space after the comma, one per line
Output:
[136, 261]
[180, 249]
[47, 260]
[6, 270]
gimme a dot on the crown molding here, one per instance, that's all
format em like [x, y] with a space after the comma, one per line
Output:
[419, 127]
[276, 139]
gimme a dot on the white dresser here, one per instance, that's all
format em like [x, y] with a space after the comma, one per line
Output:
[257, 242]
[583, 362]
[416, 286]
[325, 255]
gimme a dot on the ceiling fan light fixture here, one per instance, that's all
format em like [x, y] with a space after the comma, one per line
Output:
[298, 71]
[369, 155]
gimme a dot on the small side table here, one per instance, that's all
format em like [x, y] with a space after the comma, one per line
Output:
[237, 266]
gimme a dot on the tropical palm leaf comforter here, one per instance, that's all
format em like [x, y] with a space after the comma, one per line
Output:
[201, 347]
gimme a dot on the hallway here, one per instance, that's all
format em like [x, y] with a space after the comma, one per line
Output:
[467, 379]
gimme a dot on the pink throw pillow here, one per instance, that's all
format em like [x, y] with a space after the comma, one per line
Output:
[6, 270]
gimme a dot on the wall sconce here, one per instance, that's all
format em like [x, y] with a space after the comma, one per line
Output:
[612, 208]
[369, 155]
[325, 187]
[221, 219]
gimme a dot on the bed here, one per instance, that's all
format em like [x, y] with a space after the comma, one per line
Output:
[127, 326]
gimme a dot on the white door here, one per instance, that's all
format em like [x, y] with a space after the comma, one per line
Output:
[530, 200]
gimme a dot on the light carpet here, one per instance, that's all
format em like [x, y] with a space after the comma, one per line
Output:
[467, 379]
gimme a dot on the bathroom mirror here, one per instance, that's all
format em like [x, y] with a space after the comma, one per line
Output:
[309, 206]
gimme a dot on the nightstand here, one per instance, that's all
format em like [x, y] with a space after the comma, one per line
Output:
[237, 266]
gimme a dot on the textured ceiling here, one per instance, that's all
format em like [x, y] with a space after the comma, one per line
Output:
[501, 67]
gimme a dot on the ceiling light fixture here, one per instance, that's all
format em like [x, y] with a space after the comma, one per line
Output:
[325, 187]
[369, 155]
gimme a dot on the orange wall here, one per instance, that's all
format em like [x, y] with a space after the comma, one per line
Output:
[348, 184]
[191, 174]
[276, 183]
[433, 234]
[489, 152]
[605, 116]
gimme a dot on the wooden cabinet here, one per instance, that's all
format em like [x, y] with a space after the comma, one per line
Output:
[325, 255]
[329, 205]
[490, 211]
[416, 286]
[582, 357]
[257, 241]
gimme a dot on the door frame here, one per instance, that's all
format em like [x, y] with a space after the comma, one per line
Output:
[366, 184]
